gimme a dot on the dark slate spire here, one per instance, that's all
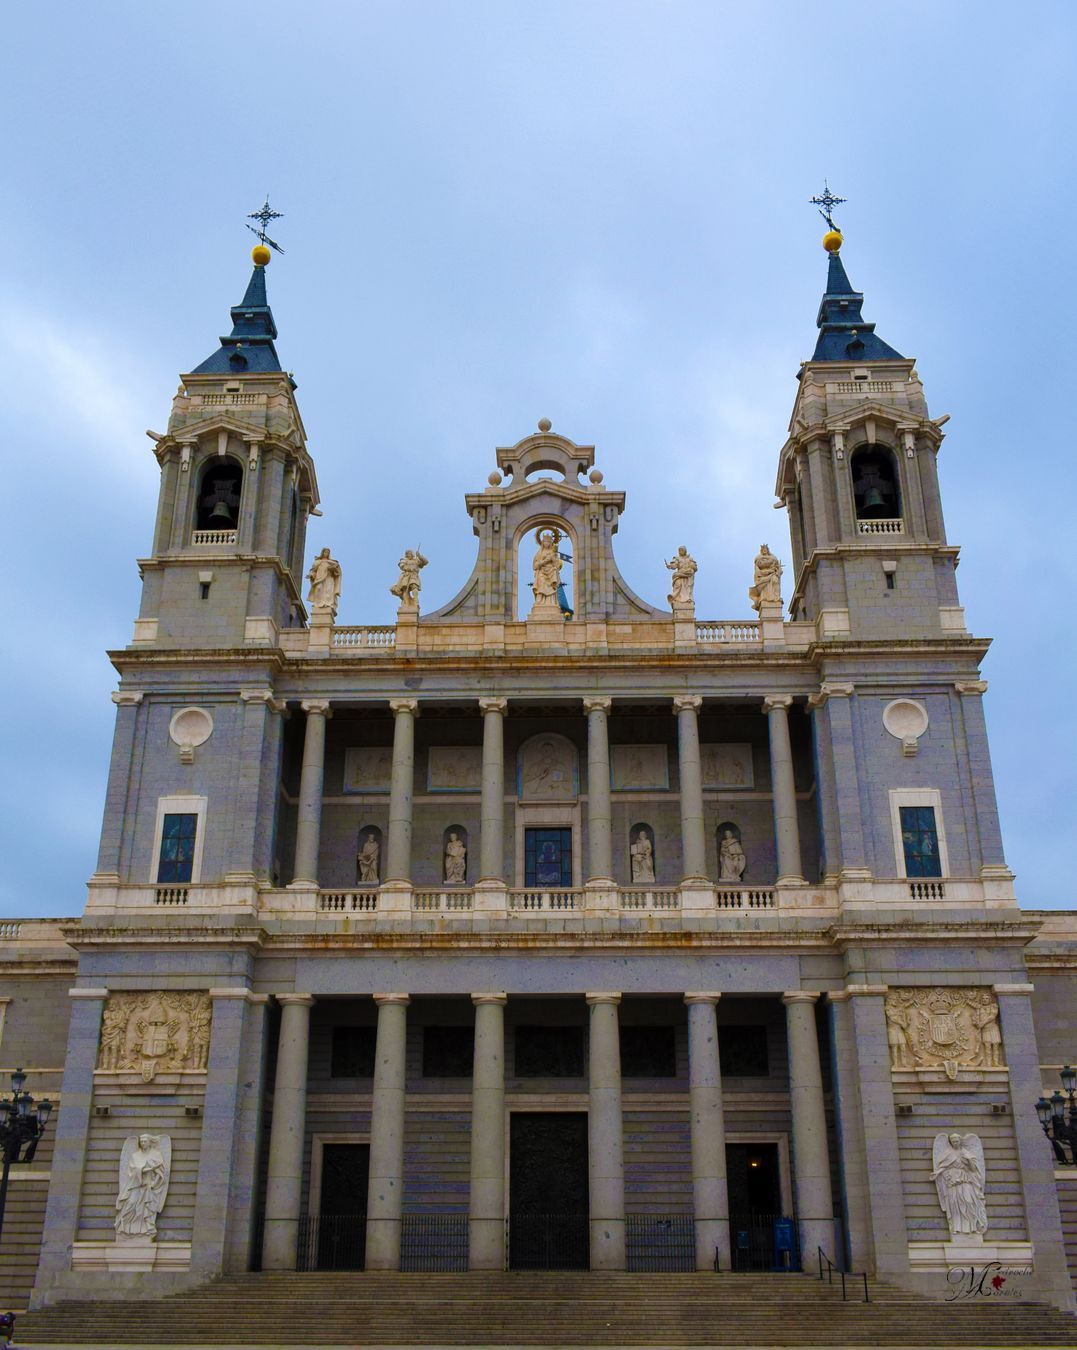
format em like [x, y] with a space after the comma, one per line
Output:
[248, 349]
[843, 333]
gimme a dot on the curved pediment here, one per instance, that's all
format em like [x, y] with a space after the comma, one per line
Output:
[545, 452]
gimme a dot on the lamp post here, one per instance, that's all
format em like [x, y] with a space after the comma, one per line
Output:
[1059, 1123]
[21, 1126]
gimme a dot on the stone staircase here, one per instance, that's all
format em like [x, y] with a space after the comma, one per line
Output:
[564, 1308]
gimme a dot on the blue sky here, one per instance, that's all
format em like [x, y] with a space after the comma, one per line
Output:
[595, 212]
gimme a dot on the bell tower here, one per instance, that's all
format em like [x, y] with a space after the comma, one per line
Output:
[858, 478]
[237, 487]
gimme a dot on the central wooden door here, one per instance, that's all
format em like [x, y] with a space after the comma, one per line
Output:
[548, 1202]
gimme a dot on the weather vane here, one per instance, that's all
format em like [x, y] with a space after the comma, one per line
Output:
[264, 216]
[826, 204]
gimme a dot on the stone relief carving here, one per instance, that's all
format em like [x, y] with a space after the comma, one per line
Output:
[943, 1028]
[767, 589]
[407, 586]
[454, 768]
[958, 1171]
[906, 720]
[188, 729]
[152, 1033]
[368, 768]
[324, 577]
[727, 766]
[547, 769]
[682, 587]
[639, 766]
[145, 1167]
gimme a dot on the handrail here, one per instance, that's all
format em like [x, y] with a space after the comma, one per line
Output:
[831, 1268]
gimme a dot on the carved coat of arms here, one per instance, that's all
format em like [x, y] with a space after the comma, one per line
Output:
[947, 1028]
[151, 1033]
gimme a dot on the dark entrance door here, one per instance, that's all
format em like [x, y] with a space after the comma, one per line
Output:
[548, 1205]
[340, 1229]
[755, 1206]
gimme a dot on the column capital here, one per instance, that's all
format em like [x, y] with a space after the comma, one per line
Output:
[597, 703]
[702, 998]
[126, 698]
[592, 999]
[828, 691]
[239, 992]
[305, 999]
[501, 999]
[687, 703]
[499, 705]
[402, 999]
[1014, 988]
[88, 993]
[971, 686]
[265, 696]
[317, 705]
[800, 996]
[402, 705]
[775, 701]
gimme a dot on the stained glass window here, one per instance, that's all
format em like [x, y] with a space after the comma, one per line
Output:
[920, 840]
[547, 857]
[176, 862]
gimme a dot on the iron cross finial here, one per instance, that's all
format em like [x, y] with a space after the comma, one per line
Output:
[264, 216]
[826, 204]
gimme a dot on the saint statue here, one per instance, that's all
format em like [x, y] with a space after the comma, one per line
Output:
[642, 858]
[324, 578]
[547, 568]
[898, 1013]
[113, 1037]
[407, 586]
[367, 859]
[145, 1163]
[731, 859]
[455, 861]
[768, 579]
[985, 1018]
[681, 588]
[958, 1173]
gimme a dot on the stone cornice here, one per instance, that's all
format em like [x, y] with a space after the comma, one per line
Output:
[716, 943]
[969, 932]
[82, 937]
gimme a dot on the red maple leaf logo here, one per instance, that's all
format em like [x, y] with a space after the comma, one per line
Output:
[997, 1282]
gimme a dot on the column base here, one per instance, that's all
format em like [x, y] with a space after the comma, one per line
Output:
[712, 1244]
[608, 1244]
[491, 895]
[302, 884]
[383, 1244]
[697, 893]
[394, 897]
[601, 896]
[280, 1244]
[486, 1244]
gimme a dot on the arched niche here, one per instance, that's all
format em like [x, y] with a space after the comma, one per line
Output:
[368, 856]
[642, 858]
[220, 487]
[732, 862]
[454, 856]
[876, 483]
[546, 769]
[527, 546]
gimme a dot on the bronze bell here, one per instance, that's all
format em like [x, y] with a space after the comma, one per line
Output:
[873, 499]
[221, 516]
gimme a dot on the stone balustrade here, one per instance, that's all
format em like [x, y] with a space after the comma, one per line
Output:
[880, 527]
[213, 538]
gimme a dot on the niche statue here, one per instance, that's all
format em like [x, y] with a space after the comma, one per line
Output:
[455, 861]
[642, 857]
[367, 859]
[731, 858]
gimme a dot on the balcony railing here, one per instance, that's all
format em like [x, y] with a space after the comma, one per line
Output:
[745, 897]
[213, 537]
[365, 636]
[880, 527]
[642, 897]
[454, 899]
[356, 900]
[709, 630]
[537, 899]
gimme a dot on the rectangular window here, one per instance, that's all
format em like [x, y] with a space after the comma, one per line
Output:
[920, 841]
[549, 1052]
[448, 1052]
[648, 1052]
[548, 857]
[353, 1052]
[179, 830]
[743, 1052]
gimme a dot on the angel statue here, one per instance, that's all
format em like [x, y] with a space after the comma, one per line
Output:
[767, 589]
[407, 585]
[324, 577]
[145, 1165]
[957, 1162]
[684, 568]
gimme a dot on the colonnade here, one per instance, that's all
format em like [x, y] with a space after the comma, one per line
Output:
[487, 1202]
[686, 708]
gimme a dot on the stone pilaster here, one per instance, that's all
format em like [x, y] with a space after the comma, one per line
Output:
[280, 1242]
[783, 785]
[486, 1211]
[385, 1196]
[686, 707]
[259, 756]
[599, 815]
[710, 1192]
[605, 1136]
[401, 786]
[811, 1165]
[127, 703]
[309, 823]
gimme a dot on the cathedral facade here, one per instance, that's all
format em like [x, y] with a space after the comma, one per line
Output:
[552, 928]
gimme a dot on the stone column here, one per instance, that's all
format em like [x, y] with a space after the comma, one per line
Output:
[284, 1185]
[710, 1195]
[385, 1195]
[811, 1165]
[605, 1141]
[599, 815]
[398, 864]
[694, 848]
[492, 823]
[486, 1211]
[309, 825]
[786, 829]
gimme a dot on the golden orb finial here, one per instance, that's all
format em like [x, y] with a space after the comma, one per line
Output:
[260, 255]
[832, 241]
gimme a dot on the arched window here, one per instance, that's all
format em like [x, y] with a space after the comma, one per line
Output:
[732, 863]
[454, 856]
[641, 855]
[219, 490]
[368, 857]
[876, 492]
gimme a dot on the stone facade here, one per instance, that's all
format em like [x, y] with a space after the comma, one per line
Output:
[351, 1058]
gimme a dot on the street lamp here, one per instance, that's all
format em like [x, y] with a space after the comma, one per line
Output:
[1059, 1123]
[21, 1126]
